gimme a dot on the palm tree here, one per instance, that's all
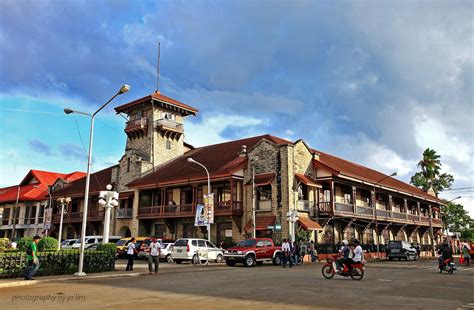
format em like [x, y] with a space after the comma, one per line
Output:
[430, 164]
[429, 178]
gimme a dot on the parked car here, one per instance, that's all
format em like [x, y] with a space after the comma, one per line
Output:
[165, 253]
[253, 251]
[89, 241]
[399, 250]
[122, 245]
[186, 249]
[67, 244]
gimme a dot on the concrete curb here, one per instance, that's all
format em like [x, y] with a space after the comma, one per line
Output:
[71, 278]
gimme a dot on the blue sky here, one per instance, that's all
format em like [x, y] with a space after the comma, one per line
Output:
[373, 82]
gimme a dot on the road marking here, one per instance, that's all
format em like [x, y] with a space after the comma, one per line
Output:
[384, 280]
[468, 306]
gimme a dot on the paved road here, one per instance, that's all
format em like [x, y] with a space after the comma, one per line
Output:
[401, 285]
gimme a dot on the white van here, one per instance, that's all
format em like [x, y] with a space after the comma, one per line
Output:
[91, 242]
[187, 249]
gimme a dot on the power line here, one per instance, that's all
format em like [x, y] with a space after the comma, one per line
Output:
[459, 188]
[31, 111]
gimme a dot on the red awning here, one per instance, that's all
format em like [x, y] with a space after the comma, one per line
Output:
[261, 222]
[262, 179]
[309, 224]
[307, 180]
[126, 195]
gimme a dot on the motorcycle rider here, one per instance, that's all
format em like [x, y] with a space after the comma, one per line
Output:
[358, 252]
[345, 250]
[445, 253]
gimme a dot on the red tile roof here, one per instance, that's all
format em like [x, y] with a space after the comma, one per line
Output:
[34, 191]
[98, 182]
[353, 170]
[159, 97]
[306, 179]
[220, 159]
[263, 179]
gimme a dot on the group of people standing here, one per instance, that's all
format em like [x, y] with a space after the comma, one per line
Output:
[153, 250]
[295, 251]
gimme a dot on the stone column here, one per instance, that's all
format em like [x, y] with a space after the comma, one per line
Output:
[354, 198]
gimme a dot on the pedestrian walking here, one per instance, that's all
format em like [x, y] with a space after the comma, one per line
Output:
[32, 259]
[466, 255]
[131, 251]
[311, 251]
[154, 256]
[286, 250]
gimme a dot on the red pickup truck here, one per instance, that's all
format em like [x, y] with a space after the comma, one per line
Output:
[254, 251]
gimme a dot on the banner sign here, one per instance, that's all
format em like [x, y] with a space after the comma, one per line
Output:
[200, 218]
[209, 207]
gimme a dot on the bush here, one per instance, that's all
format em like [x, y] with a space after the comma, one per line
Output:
[109, 248]
[4, 244]
[24, 243]
[47, 243]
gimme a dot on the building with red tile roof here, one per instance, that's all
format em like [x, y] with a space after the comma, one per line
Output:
[160, 188]
[28, 200]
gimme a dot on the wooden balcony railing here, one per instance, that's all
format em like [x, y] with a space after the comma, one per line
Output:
[364, 211]
[188, 210]
[346, 208]
[413, 217]
[94, 215]
[383, 213]
[399, 216]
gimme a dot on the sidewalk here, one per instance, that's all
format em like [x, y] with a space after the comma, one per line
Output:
[140, 268]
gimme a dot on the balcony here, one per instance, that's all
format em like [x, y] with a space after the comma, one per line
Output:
[344, 207]
[364, 211]
[74, 217]
[136, 128]
[383, 214]
[305, 205]
[124, 213]
[188, 210]
[399, 216]
[169, 127]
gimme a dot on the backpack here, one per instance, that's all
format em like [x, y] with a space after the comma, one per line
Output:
[29, 250]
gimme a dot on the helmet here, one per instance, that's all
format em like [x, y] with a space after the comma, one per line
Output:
[345, 242]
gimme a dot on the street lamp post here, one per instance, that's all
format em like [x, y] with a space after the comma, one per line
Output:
[62, 201]
[377, 237]
[108, 199]
[444, 224]
[190, 160]
[122, 90]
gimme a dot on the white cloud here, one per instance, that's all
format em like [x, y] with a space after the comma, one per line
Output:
[431, 133]
[209, 130]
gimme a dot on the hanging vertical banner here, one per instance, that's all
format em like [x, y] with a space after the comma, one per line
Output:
[209, 208]
[200, 219]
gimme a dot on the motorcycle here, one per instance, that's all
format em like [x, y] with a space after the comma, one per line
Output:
[329, 269]
[448, 265]
[297, 260]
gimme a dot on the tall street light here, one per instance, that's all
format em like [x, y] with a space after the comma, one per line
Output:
[190, 160]
[62, 201]
[122, 90]
[15, 207]
[446, 226]
[377, 237]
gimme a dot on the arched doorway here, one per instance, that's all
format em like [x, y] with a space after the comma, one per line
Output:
[125, 232]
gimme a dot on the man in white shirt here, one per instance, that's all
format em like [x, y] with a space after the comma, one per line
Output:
[286, 252]
[131, 250]
[154, 256]
[358, 252]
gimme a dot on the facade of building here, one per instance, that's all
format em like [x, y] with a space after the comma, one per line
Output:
[160, 189]
[23, 206]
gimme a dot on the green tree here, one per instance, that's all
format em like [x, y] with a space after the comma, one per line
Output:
[455, 218]
[430, 177]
